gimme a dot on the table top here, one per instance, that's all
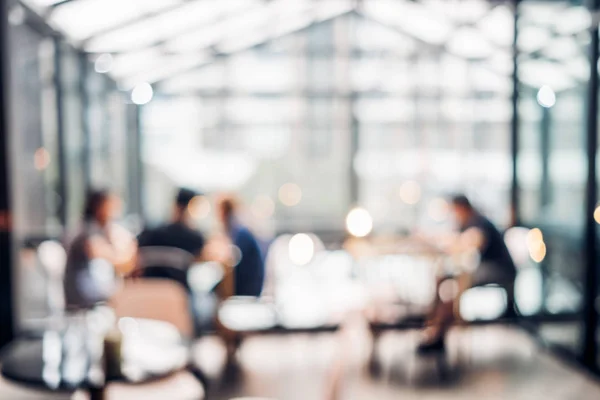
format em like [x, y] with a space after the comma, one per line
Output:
[72, 358]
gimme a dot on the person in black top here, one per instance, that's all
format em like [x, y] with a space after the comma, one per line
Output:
[496, 266]
[169, 250]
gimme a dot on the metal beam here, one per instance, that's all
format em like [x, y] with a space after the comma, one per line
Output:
[514, 126]
[6, 250]
[135, 20]
[61, 3]
[202, 63]
[163, 40]
[590, 344]
[62, 188]
[85, 120]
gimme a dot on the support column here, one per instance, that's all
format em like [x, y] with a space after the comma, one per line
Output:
[85, 105]
[62, 188]
[6, 253]
[545, 190]
[590, 345]
[514, 147]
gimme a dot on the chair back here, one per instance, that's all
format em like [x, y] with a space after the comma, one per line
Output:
[165, 263]
[155, 299]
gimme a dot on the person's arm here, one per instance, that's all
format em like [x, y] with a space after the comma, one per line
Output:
[121, 253]
[471, 239]
[218, 249]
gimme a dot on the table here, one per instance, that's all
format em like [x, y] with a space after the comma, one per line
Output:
[72, 359]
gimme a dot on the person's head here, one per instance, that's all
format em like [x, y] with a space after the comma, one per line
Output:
[226, 210]
[462, 208]
[101, 206]
[182, 202]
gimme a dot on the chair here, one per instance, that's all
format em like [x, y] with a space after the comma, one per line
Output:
[161, 300]
[166, 301]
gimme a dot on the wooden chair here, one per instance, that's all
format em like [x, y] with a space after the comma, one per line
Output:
[167, 301]
[157, 299]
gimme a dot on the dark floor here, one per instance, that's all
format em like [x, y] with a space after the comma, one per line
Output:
[482, 363]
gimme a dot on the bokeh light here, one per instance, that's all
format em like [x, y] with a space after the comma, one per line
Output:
[41, 159]
[410, 192]
[597, 214]
[536, 245]
[103, 63]
[301, 249]
[546, 97]
[438, 209]
[199, 207]
[290, 194]
[142, 94]
[534, 236]
[263, 207]
[359, 222]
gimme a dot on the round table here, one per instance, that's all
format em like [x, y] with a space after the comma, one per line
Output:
[74, 358]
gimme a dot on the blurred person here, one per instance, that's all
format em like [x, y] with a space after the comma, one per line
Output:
[177, 234]
[249, 271]
[88, 281]
[476, 232]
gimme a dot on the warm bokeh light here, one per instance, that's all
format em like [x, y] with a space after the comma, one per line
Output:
[538, 253]
[534, 236]
[290, 194]
[301, 249]
[263, 207]
[438, 209]
[546, 97]
[103, 63]
[41, 159]
[536, 245]
[199, 207]
[142, 93]
[597, 214]
[359, 222]
[410, 192]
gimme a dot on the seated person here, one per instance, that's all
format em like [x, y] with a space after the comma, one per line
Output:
[98, 238]
[158, 247]
[250, 271]
[496, 267]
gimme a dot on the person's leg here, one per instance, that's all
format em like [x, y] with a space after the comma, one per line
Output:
[442, 315]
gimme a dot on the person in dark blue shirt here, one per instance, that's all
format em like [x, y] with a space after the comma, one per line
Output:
[249, 271]
[496, 266]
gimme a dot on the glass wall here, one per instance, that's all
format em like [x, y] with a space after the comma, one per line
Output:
[552, 161]
[352, 101]
[34, 156]
[59, 106]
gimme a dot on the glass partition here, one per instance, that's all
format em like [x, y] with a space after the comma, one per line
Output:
[552, 161]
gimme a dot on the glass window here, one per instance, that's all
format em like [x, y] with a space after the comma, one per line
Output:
[552, 166]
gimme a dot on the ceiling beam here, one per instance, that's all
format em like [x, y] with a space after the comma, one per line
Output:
[61, 3]
[162, 41]
[314, 21]
[137, 19]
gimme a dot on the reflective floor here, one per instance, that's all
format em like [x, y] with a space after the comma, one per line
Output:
[482, 363]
